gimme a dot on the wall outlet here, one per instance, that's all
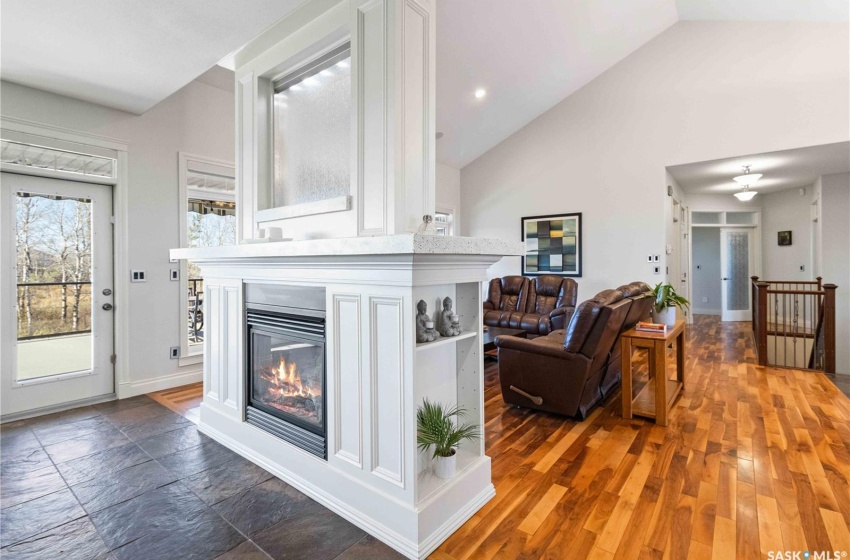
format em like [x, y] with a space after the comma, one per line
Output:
[174, 352]
[137, 276]
[704, 299]
[175, 274]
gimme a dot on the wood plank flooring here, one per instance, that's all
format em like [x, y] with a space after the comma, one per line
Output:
[185, 400]
[754, 460]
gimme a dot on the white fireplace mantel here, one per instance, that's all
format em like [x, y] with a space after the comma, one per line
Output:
[377, 374]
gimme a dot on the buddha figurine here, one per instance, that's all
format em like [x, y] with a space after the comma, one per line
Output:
[424, 325]
[449, 324]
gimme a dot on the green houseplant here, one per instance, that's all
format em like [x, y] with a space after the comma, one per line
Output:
[666, 302]
[437, 427]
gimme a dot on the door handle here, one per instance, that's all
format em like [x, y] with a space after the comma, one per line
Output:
[107, 307]
[724, 279]
[107, 292]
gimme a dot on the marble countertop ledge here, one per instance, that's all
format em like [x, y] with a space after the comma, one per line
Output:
[406, 244]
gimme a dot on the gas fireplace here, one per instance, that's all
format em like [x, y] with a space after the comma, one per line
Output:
[286, 363]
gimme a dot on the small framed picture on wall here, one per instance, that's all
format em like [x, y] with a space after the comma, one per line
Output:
[784, 237]
[552, 245]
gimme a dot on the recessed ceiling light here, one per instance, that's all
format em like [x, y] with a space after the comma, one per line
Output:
[479, 93]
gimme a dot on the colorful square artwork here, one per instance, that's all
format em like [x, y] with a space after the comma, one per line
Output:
[552, 245]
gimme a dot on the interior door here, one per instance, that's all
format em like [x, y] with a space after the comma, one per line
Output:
[56, 301]
[736, 266]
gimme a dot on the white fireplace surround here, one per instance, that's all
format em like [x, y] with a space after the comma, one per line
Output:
[377, 374]
[374, 270]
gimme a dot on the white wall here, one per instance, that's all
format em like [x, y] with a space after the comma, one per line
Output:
[681, 98]
[782, 211]
[198, 119]
[836, 258]
[706, 278]
[448, 192]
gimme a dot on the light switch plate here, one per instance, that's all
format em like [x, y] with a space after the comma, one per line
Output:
[137, 276]
[175, 274]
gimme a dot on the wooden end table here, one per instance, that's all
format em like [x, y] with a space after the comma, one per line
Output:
[656, 399]
[492, 332]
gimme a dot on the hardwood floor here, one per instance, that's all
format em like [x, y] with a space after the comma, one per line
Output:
[754, 460]
[185, 400]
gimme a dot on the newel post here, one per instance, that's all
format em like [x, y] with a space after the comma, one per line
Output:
[829, 327]
[761, 321]
[754, 299]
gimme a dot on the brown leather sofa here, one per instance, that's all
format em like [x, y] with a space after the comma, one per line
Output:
[641, 296]
[564, 371]
[506, 301]
[537, 305]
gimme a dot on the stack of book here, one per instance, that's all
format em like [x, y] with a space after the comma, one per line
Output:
[651, 327]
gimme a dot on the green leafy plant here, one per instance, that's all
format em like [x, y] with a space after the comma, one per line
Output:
[436, 425]
[666, 296]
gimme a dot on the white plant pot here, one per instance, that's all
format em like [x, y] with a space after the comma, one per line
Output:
[667, 317]
[445, 467]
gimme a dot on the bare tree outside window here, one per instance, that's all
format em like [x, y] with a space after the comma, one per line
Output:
[53, 246]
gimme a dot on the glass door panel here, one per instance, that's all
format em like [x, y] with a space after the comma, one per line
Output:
[736, 264]
[53, 272]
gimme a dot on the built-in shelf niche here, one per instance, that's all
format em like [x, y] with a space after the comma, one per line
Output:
[450, 370]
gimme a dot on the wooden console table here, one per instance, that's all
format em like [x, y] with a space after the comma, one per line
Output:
[656, 399]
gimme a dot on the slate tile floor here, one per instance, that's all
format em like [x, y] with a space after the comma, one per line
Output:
[133, 480]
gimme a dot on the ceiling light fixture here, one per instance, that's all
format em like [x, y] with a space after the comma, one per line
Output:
[746, 180]
[479, 93]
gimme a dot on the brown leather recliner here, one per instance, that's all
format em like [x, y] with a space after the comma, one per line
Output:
[506, 302]
[562, 372]
[551, 302]
[641, 296]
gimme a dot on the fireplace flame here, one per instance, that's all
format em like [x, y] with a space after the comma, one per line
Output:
[287, 381]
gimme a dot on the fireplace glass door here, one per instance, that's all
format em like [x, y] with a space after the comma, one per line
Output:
[288, 377]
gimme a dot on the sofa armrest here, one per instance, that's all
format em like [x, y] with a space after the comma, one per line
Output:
[560, 317]
[488, 306]
[544, 346]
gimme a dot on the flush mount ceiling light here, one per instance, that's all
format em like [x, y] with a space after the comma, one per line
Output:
[480, 93]
[746, 180]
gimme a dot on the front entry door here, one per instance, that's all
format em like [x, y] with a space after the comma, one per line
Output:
[56, 301]
[736, 266]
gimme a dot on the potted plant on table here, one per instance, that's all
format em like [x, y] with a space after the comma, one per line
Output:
[437, 427]
[666, 302]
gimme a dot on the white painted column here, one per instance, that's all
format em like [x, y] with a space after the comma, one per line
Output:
[393, 61]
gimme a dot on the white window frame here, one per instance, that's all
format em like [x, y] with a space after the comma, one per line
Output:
[452, 223]
[193, 354]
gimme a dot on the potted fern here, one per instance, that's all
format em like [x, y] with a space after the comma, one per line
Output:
[438, 427]
[666, 302]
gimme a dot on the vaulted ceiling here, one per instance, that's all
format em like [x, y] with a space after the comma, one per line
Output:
[527, 56]
[125, 54]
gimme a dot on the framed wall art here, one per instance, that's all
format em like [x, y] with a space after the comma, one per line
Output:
[784, 237]
[552, 245]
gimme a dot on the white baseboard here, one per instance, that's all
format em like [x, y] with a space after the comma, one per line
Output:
[55, 408]
[696, 311]
[133, 388]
